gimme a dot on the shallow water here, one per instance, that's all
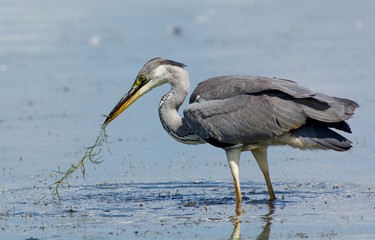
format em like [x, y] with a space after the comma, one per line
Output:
[191, 210]
[63, 64]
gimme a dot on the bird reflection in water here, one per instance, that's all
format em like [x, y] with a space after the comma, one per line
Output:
[267, 219]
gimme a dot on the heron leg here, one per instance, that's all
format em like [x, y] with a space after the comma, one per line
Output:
[233, 157]
[260, 155]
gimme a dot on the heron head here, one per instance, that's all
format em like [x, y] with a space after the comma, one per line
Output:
[154, 73]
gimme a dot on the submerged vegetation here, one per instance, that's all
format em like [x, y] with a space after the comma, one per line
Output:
[91, 155]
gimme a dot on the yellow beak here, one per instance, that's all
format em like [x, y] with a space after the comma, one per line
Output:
[123, 104]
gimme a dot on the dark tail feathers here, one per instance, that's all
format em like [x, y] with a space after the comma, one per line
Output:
[322, 137]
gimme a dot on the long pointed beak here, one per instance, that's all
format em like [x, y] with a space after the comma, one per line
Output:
[123, 104]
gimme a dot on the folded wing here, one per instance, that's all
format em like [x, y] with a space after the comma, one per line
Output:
[234, 110]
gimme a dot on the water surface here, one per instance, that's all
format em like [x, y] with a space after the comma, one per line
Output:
[64, 64]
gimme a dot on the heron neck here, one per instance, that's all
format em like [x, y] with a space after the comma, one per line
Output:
[170, 118]
[168, 110]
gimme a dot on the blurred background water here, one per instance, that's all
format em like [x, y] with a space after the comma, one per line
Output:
[65, 63]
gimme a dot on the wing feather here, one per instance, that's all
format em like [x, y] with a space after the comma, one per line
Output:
[249, 110]
[229, 86]
[244, 119]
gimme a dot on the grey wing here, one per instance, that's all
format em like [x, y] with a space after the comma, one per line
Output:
[317, 106]
[328, 109]
[244, 119]
[230, 86]
[244, 109]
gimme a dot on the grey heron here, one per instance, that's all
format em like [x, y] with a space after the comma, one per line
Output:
[243, 113]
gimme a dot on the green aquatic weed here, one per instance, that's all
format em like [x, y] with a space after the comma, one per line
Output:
[91, 155]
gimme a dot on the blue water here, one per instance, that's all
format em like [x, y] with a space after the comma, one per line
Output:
[65, 63]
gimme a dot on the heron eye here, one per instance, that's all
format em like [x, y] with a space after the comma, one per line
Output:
[141, 80]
